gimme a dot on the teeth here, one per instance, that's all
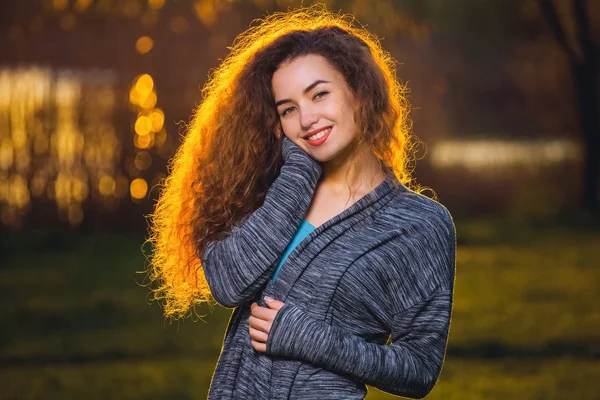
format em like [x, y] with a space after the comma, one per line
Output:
[319, 135]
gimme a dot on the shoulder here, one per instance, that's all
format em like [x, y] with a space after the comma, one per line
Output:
[415, 246]
[411, 212]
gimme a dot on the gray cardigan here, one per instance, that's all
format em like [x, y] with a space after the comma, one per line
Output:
[368, 294]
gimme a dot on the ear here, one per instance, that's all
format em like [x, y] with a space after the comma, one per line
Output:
[279, 131]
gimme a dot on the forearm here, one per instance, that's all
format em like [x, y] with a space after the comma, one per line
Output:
[237, 266]
[409, 367]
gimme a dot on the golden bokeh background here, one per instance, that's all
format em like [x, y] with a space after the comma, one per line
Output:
[95, 96]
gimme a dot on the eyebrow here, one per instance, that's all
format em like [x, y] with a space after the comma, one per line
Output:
[306, 90]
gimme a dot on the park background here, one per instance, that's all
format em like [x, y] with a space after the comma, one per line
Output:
[94, 98]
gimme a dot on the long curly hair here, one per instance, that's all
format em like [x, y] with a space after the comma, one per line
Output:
[230, 155]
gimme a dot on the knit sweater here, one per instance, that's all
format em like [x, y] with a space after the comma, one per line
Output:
[368, 294]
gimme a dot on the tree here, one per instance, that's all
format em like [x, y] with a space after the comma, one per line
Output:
[584, 60]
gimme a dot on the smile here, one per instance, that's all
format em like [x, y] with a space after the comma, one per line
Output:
[319, 135]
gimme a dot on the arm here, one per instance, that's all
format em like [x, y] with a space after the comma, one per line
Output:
[409, 367]
[239, 265]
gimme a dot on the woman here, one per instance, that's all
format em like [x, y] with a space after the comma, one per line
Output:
[292, 184]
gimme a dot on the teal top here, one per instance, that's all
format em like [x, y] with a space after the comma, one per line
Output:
[303, 231]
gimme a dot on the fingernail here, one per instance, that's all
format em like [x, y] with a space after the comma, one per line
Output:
[267, 298]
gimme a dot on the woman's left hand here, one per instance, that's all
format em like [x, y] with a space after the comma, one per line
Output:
[261, 321]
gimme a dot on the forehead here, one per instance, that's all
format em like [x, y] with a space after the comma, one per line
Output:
[294, 76]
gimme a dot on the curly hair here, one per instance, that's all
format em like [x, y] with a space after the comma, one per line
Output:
[230, 155]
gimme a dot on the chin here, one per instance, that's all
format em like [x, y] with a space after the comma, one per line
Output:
[325, 156]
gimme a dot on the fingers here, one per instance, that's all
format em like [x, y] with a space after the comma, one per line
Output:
[264, 313]
[262, 347]
[258, 335]
[259, 324]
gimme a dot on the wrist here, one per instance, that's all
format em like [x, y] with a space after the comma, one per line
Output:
[291, 330]
[294, 154]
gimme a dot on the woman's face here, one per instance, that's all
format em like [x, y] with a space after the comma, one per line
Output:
[313, 98]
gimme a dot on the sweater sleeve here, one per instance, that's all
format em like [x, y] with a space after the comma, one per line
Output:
[239, 265]
[408, 367]
[412, 363]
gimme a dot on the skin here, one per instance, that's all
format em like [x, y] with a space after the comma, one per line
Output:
[260, 323]
[311, 94]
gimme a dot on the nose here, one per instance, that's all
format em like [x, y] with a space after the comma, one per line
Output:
[308, 117]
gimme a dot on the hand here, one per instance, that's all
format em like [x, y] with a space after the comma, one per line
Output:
[261, 321]
[289, 148]
[297, 155]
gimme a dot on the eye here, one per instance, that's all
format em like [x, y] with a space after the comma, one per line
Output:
[287, 111]
[320, 94]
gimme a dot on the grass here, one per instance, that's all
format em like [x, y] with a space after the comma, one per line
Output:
[76, 322]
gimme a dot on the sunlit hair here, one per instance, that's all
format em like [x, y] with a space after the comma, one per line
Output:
[230, 155]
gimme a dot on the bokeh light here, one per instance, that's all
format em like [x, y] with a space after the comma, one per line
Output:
[60, 4]
[149, 129]
[106, 185]
[143, 142]
[138, 188]
[156, 4]
[81, 5]
[57, 140]
[179, 24]
[143, 160]
[143, 125]
[480, 155]
[205, 11]
[157, 119]
[144, 44]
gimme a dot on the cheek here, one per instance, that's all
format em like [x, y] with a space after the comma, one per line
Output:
[288, 125]
[348, 109]
[341, 108]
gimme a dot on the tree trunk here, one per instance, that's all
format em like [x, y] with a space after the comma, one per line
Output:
[584, 59]
[586, 79]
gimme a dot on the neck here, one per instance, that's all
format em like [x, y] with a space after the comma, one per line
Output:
[339, 178]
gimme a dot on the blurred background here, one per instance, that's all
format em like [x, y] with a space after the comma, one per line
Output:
[94, 98]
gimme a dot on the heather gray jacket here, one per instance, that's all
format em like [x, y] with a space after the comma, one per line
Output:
[383, 268]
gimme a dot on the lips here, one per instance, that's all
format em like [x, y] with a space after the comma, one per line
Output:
[314, 132]
[322, 137]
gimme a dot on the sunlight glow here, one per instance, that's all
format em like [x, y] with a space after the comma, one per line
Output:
[56, 140]
[492, 154]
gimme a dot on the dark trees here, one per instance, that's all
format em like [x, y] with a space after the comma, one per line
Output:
[584, 61]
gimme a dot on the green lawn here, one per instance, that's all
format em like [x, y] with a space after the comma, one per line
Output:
[76, 322]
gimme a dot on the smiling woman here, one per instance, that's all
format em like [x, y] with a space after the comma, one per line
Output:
[316, 101]
[297, 168]
[318, 107]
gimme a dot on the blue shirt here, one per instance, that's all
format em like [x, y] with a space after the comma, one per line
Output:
[303, 231]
